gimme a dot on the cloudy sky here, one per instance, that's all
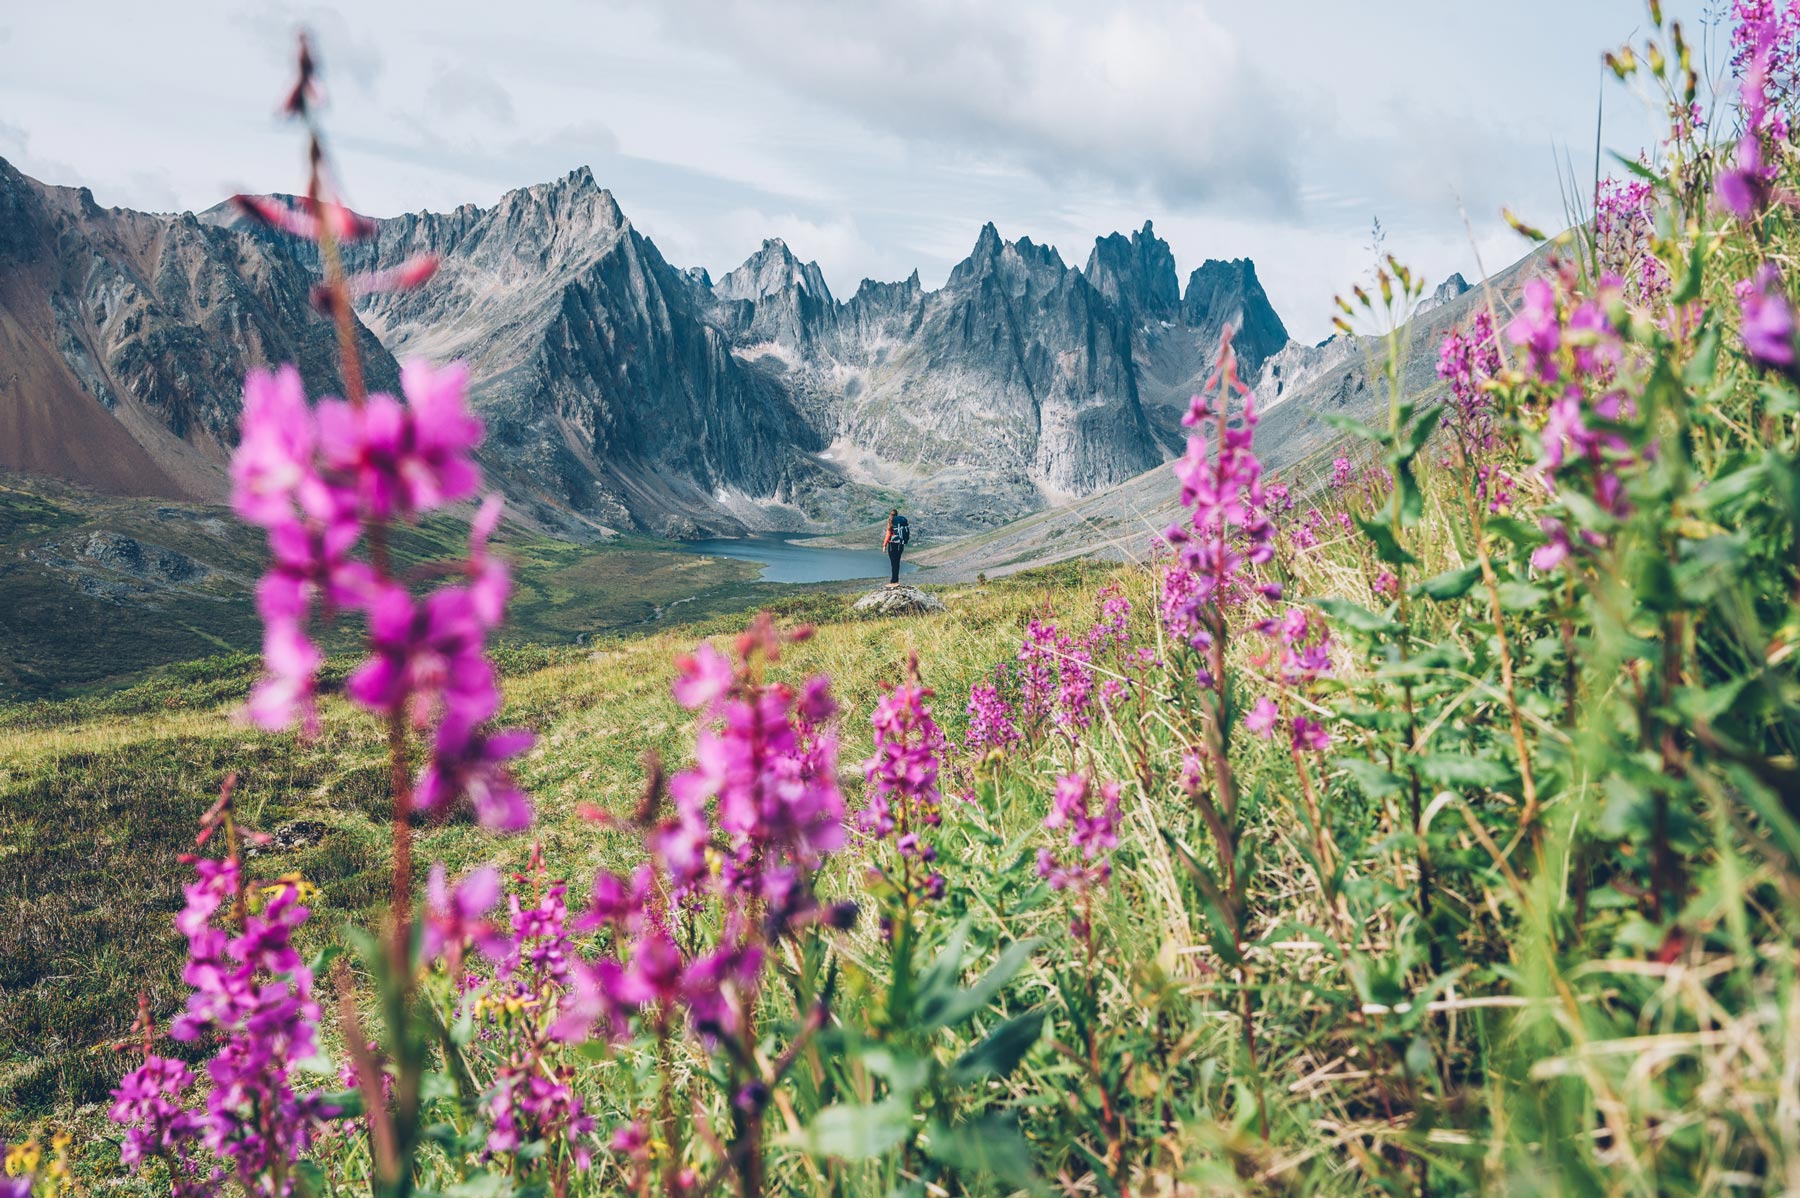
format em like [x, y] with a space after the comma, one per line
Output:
[873, 135]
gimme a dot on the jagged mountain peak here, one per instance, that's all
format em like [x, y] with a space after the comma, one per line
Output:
[1222, 291]
[1137, 273]
[773, 269]
[1015, 262]
[1451, 288]
[575, 200]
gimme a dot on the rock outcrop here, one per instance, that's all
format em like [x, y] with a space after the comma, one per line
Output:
[901, 600]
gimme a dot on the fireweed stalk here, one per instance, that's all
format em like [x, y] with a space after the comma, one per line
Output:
[251, 997]
[1225, 534]
[322, 479]
[904, 806]
[1080, 867]
[729, 881]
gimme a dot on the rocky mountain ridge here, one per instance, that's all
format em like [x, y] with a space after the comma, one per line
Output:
[621, 391]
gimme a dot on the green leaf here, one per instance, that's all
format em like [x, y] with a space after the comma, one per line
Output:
[1728, 488]
[905, 1073]
[1374, 781]
[1643, 172]
[1521, 596]
[480, 1185]
[1411, 499]
[436, 1085]
[1000, 1053]
[1353, 426]
[1421, 432]
[992, 1144]
[854, 1131]
[1699, 371]
[1688, 289]
[958, 1005]
[940, 979]
[1524, 535]
[347, 1103]
[310, 1180]
[1451, 584]
[1386, 547]
[321, 962]
[1455, 769]
[1346, 614]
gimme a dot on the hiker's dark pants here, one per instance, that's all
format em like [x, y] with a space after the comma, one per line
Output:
[894, 552]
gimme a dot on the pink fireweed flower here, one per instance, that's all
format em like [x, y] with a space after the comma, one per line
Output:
[1744, 190]
[1538, 327]
[1113, 627]
[409, 459]
[1341, 473]
[1309, 736]
[773, 775]
[903, 772]
[990, 718]
[1228, 531]
[414, 272]
[619, 902]
[533, 1102]
[1624, 224]
[1467, 362]
[426, 658]
[704, 677]
[1765, 39]
[472, 763]
[1768, 319]
[539, 949]
[301, 219]
[1261, 719]
[253, 995]
[1037, 669]
[148, 1104]
[632, 1141]
[274, 478]
[456, 919]
[1556, 551]
[1090, 834]
[1385, 584]
[312, 528]
[490, 579]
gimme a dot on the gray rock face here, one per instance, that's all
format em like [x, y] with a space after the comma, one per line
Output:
[606, 390]
[899, 600]
[774, 297]
[1175, 336]
[1221, 293]
[1016, 385]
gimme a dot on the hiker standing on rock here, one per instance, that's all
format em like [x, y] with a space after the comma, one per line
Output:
[894, 541]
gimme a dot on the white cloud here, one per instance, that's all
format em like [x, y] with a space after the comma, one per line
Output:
[465, 89]
[1158, 93]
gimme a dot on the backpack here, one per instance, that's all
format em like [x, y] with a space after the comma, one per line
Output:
[902, 531]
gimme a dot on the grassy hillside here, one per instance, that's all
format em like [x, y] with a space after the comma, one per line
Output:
[99, 796]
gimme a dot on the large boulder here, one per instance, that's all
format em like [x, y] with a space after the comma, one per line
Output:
[899, 600]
